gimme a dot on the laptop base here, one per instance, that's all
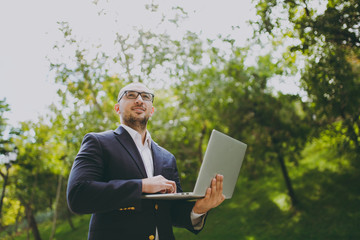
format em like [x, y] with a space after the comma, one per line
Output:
[172, 196]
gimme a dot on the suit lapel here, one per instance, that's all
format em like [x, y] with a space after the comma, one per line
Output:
[157, 158]
[128, 143]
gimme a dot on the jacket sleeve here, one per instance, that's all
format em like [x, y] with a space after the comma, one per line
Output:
[87, 192]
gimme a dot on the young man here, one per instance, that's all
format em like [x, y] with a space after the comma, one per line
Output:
[114, 168]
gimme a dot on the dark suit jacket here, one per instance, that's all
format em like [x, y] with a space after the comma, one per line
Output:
[105, 180]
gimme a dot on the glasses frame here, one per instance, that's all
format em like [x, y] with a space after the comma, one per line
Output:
[138, 93]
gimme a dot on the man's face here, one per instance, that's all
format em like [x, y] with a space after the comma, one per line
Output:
[134, 112]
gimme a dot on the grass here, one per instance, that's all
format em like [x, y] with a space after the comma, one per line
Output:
[326, 185]
[63, 230]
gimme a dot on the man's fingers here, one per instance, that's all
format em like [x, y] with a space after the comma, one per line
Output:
[213, 185]
[175, 190]
[213, 197]
[173, 184]
[217, 189]
[208, 193]
[219, 183]
[158, 184]
[170, 187]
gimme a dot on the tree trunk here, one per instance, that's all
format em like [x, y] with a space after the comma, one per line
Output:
[18, 217]
[68, 216]
[28, 232]
[32, 222]
[291, 192]
[353, 135]
[349, 123]
[58, 192]
[200, 152]
[5, 176]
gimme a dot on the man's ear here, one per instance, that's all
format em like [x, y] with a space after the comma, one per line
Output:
[152, 111]
[117, 108]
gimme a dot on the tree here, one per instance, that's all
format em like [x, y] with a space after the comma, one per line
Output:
[40, 162]
[7, 153]
[237, 99]
[329, 40]
[201, 96]
[4, 107]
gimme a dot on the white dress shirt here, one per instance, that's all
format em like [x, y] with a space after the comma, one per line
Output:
[146, 155]
[144, 149]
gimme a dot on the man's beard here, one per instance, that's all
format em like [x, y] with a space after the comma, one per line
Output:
[136, 123]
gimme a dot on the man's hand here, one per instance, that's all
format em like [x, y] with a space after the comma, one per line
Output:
[213, 197]
[158, 184]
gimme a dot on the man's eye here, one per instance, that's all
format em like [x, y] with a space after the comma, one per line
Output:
[145, 96]
[131, 94]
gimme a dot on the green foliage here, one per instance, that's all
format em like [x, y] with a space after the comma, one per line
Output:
[260, 210]
[7, 147]
[40, 160]
[329, 41]
[209, 88]
[199, 87]
[4, 142]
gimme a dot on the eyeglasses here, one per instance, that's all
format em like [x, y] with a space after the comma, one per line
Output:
[134, 95]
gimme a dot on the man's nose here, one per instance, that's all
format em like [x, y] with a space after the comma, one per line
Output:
[139, 99]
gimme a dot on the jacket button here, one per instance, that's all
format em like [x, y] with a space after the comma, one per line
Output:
[151, 237]
[156, 206]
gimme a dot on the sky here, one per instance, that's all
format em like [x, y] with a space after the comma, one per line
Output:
[29, 30]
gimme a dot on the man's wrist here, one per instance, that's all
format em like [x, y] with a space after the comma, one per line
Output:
[197, 220]
[143, 186]
[196, 215]
[197, 210]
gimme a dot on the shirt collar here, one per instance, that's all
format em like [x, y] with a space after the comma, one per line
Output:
[137, 136]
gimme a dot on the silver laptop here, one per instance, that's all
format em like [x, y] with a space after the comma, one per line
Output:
[224, 155]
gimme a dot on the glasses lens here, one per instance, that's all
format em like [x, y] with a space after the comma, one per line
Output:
[131, 94]
[144, 95]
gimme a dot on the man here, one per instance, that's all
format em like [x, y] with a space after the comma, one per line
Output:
[114, 168]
